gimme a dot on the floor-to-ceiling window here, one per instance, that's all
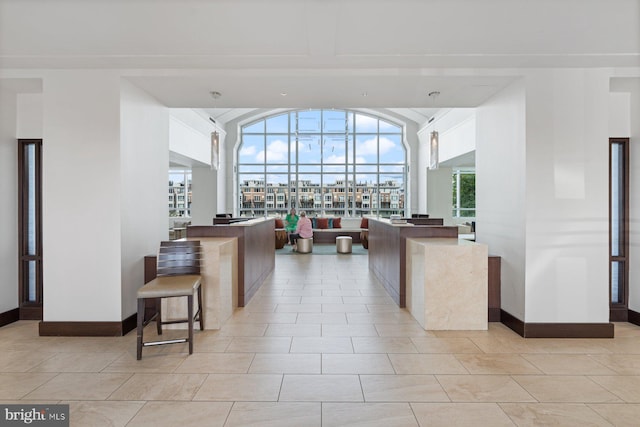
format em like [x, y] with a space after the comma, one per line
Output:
[30, 226]
[618, 228]
[327, 162]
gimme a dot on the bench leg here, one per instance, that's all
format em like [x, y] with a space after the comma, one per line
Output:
[190, 314]
[159, 315]
[140, 326]
[200, 308]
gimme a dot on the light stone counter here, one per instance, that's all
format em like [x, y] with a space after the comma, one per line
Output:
[219, 285]
[447, 283]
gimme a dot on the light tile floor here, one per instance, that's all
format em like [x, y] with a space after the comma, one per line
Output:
[321, 344]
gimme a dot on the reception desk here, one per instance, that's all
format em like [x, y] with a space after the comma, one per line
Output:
[255, 251]
[388, 252]
[447, 283]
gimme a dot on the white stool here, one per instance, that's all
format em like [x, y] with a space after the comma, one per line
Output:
[343, 244]
[305, 246]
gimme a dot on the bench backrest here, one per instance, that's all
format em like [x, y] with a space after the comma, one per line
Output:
[178, 257]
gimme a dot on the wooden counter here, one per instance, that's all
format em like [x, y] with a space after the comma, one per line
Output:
[388, 248]
[256, 251]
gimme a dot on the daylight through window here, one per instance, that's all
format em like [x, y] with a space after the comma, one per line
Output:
[327, 162]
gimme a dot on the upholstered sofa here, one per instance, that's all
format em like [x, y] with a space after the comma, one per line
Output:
[325, 230]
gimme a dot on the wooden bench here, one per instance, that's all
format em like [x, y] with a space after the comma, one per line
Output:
[178, 275]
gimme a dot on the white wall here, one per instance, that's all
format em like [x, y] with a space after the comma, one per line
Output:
[144, 162]
[81, 196]
[567, 269]
[189, 138]
[439, 194]
[29, 124]
[500, 189]
[204, 192]
[8, 209]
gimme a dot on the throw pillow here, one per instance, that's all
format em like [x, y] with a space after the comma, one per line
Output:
[279, 223]
[323, 223]
[364, 223]
[330, 223]
[314, 222]
[337, 222]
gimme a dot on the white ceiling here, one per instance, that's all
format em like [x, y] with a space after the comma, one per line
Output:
[321, 53]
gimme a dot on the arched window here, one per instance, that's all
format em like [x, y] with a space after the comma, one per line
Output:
[327, 162]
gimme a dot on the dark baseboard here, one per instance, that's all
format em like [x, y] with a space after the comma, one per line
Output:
[494, 314]
[634, 317]
[557, 330]
[9, 316]
[88, 329]
[618, 314]
[512, 322]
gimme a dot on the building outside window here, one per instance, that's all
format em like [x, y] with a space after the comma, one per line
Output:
[180, 193]
[464, 193]
[321, 161]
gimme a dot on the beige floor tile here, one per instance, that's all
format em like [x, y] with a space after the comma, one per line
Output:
[240, 330]
[624, 345]
[381, 318]
[159, 387]
[260, 345]
[286, 364]
[77, 362]
[22, 361]
[623, 329]
[493, 344]
[303, 293]
[321, 345]
[298, 308]
[14, 386]
[417, 364]
[321, 388]
[262, 318]
[322, 300]
[323, 318]
[171, 414]
[216, 363]
[367, 415]
[568, 364]
[553, 414]
[274, 414]
[262, 307]
[344, 308]
[460, 414]
[402, 388]
[403, 330]
[561, 388]
[80, 386]
[623, 364]
[496, 364]
[158, 363]
[627, 388]
[383, 308]
[294, 330]
[212, 343]
[341, 293]
[483, 388]
[378, 299]
[356, 364]
[576, 346]
[383, 345]
[240, 387]
[349, 331]
[445, 345]
[618, 414]
[102, 414]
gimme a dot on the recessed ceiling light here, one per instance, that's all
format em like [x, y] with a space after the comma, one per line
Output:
[283, 93]
[365, 94]
[215, 94]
